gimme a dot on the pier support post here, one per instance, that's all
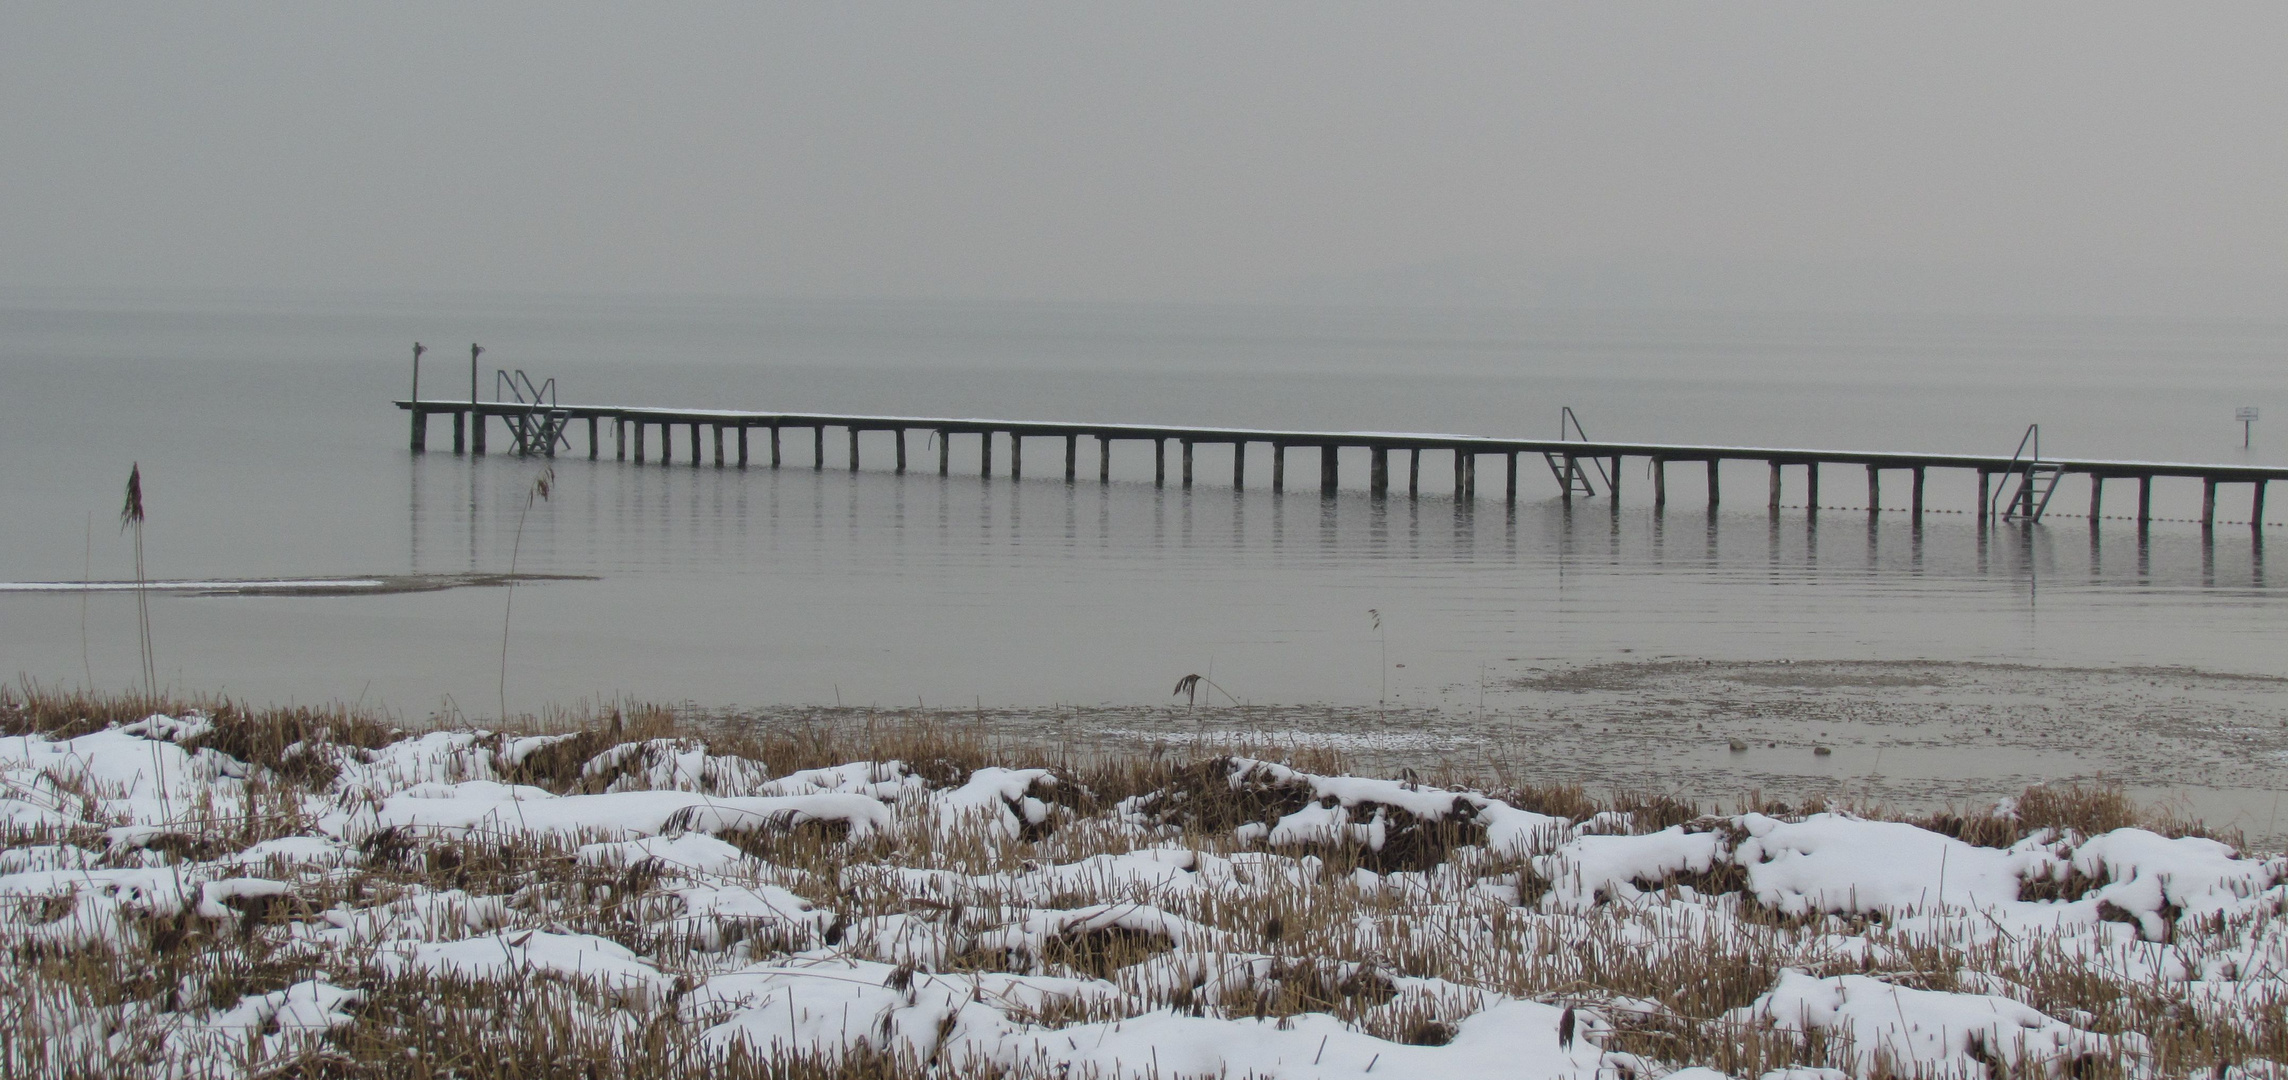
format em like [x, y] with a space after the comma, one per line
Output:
[1615, 483]
[818, 448]
[1378, 472]
[2256, 508]
[1072, 458]
[1103, 459]
[718, 446]
[619, 439]
[853, 449]
[1985, 498]
[666, 443]
[695, 444]
[1016, 456]
[2144, 501]
[1414, 473]
[1278, 467]
[1511, 498]
[1874, 490]
[592, 448]
[2096, 496]
[1775, 505]
[460, 446]
[985, 454]
[2208, 503]
[1187, 453]
[901, 451]
[1328, 471]
[774, 446]
[639, 426]
[1239, 465]
[1811, 486]
[742, 445]
[1461, 465]
[1715, 484]
[1916, 510]
[944, 452]
[476, 431]
[420, 428]
[1660, 483]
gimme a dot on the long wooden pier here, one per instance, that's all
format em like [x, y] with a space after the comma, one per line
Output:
[1570, 462]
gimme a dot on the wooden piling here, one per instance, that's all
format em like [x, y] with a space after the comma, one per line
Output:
[1660, 483]
[459, 446]
[774, 446]
[853, 449]
[1159, 463]
[1414, 473]
[1614, 482]
[1462, 461]
[592, 449]
[476, 431]
[2144, 501]
[1016, 455]
[944, 452]
[1328, 471]
[619, 439]
[1775, 485]
[420, 427]
[1378, 472]
[1511, 498]
[1916, 511]
[666, 443]
[695, 444]
[1239, 465]
[1811, 485]
[2096, 496]
[1103, 459]
[1072, 458]
[1715, 484]
[2208, 503]
[985, 453]
[2256, 508]
[1187, 454]
[718, 445]
[1985, 497]
[901, 451]
[1278, 467]
[818, 448]
[1874, 490]
[639, 426]
[742, 445]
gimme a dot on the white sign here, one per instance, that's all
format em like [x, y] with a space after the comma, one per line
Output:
[2245, 414]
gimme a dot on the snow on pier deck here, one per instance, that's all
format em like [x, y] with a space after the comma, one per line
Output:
[1571, 462]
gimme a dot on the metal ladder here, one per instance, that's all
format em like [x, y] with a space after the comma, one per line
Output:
[538, 427]
[2037, 481]
[1567, 468]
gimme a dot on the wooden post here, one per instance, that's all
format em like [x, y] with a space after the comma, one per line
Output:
[1874, 490]
[1016, 455]
[2144, 501]
[818, 448]
[901, 451]
[718, 445]
[1278, 467]
[476, 422]
[1615, 483]
[639, 425]
[944, 452]
[1775, 485]
[420, 429]
[1329, 477]
[1239, 465]
[1985, 498]
[1461, 465]
[1103, 459]
[476, 431]
[2208, 503]
[1660, 483]
[1811, 486]
[592, 449]
[2256, 507]
[985, 453]
[774, 446]
[1187, 452]
[1715, 484]
[2026, 493]
[1917, 509]
[1414, 472]
[1512, 497]
[1072, 457]
[666, 442]
[619, 438]
[695, 444]
[1378, 472]
[742, 444]
[1470, 477]
[1159, 463]
[1566, 496]
[853, 449]
[2096, 496]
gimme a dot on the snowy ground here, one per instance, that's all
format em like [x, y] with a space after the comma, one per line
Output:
[455, 902]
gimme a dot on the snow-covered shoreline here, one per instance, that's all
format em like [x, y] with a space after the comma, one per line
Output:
[331, 902]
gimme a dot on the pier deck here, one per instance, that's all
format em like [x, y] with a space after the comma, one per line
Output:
[1464, 452]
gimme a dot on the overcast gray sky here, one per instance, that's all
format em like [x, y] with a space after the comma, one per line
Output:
[2084, 156]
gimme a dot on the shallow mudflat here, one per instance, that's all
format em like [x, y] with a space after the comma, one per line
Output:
[246, 894]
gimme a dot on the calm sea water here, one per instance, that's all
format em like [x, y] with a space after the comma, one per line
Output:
[268, 448]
